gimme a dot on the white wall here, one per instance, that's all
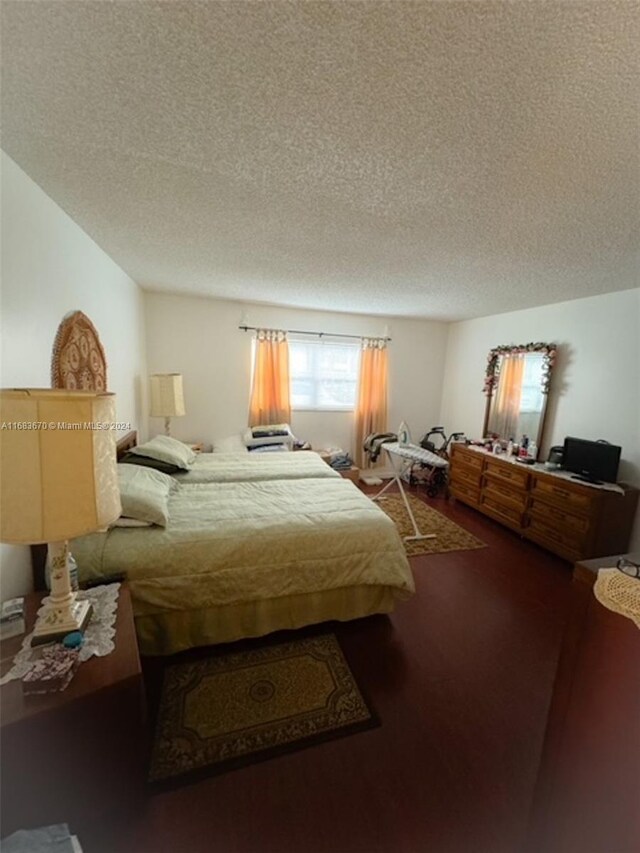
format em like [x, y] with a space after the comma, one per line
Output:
[50, 267]
[595, 389]
[199, 338]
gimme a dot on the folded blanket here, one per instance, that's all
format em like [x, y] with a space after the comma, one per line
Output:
[270, 430]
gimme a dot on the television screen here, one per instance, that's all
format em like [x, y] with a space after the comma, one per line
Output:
[592, 461]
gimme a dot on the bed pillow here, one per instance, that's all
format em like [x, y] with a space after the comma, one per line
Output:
[131, 458]
[167, 449]
[144, 493]
[123, 521]
[230, 444]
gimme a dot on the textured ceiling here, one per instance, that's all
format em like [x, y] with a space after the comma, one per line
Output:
[438, 159]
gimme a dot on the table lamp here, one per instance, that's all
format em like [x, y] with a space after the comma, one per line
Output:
[167, 399]
[58, 480]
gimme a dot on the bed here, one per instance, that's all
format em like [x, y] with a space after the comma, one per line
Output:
[243, 559]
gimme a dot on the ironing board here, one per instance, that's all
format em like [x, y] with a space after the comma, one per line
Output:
[402, 457]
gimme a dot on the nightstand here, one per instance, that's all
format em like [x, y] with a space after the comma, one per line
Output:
[586, 795]
[67, 756]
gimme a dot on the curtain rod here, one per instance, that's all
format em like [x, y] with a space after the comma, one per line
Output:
[318, 334]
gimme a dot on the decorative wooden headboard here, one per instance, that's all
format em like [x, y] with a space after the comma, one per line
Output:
[78, 361]
[126, 443]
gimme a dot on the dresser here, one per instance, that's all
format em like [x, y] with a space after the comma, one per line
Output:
[571, 519]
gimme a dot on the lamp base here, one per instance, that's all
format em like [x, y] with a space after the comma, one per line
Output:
[54, 623]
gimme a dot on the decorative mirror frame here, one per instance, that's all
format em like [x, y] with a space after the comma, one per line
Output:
[78, 361]
[492, 374]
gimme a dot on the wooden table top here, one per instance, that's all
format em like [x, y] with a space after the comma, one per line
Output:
[587, 570]
[95, 674]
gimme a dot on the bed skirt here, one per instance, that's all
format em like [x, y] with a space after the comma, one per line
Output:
[173, 631]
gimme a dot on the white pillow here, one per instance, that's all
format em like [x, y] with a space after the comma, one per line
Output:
[123, 521]
[230, 444]
[144, 493]
[167, 449]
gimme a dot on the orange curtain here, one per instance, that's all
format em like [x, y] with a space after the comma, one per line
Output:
[371, 409]
[270, 398]
[506, 412]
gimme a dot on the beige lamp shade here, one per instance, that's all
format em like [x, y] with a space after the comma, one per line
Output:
[167, 398]
[58, 471]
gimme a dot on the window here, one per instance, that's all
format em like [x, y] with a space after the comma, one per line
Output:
[531, 394]
[324, 374]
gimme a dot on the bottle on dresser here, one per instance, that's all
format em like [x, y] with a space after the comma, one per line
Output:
[510, 446]
[524, 446]
[532, 451]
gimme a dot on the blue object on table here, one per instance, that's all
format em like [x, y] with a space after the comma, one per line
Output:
[73, 640]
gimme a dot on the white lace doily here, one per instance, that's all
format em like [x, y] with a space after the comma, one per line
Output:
[98, 635]
[619, 593]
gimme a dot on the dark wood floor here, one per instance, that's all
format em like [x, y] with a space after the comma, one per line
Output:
[461, 677]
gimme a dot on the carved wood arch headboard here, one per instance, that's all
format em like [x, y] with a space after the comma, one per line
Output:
[78, 361]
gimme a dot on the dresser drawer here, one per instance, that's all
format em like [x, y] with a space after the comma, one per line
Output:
[505, 492]
[568, 496]
[569, 552]
[501, 510]
[464, 475]
[567, 537]
[464, 492]
[553, 516]
[471, 458]
[508, 471]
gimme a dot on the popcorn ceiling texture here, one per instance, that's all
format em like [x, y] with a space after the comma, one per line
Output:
[436, 159]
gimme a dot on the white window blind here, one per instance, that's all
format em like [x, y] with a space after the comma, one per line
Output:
[324, 374]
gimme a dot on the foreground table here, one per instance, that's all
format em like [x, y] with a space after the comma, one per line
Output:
[588, 789]
[64, 755]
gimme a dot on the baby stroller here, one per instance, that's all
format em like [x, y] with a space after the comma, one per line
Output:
[434, 476]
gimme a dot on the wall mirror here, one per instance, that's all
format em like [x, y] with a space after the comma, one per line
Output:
[517, 384]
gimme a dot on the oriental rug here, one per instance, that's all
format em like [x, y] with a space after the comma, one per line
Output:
[227, 711]
[449, 535]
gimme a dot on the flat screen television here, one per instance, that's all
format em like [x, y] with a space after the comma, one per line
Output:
[591, 461]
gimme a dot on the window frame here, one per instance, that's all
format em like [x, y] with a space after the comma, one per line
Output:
[325, 340]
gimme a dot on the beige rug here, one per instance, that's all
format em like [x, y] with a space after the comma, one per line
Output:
[449, 535]
[233, 709]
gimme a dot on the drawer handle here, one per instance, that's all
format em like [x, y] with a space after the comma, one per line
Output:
[559, 516]
[562, 492]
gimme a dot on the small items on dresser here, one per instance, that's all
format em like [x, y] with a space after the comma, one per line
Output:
[12, 618]
[52, 672]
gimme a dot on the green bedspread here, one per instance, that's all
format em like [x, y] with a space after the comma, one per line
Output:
[242, 541]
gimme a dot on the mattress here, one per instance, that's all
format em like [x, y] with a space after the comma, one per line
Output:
[237, 467]
[238, 545]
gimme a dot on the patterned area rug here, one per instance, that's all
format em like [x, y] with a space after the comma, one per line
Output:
[224, 712]
[449, 535]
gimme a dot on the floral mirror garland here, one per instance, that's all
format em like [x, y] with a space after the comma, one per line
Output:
[492, 373]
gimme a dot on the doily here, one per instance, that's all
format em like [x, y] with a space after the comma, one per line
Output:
[619, 592]
[98, 635]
